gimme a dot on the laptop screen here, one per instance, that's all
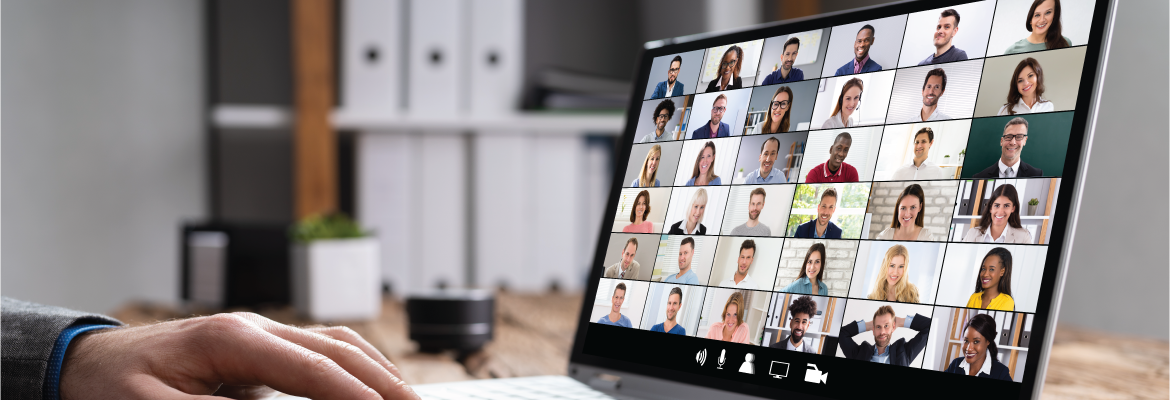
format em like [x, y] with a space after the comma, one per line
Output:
[865, 202]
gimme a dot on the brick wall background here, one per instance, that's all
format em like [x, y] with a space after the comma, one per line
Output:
[838, 269]
[940, 205]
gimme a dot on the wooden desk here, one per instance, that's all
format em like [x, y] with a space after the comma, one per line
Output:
[535, 332]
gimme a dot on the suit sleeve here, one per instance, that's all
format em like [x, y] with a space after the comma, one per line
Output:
[848, 346]
[29, 331]
[921, 324]
[659, 91]
[990, 172]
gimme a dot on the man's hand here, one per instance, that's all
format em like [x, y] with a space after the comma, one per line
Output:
[238, 355]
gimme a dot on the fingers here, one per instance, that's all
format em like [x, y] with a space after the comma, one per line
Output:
[352, 358]
[244, 353]
[349, 336]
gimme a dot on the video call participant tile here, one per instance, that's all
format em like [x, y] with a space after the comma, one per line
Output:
[685, 259]
[922, 151]
[746, 262]
[905, 272]
[696, 210]
[901, 329]
[935, 92]
[630, 256]
[661, 120]
[652, 164]
[758, 210]
[948, 34]
[992, 344]
[707, 162]
[1031, 83]
[718, 114]
[641, 210]
[820, 267]
[793, 58]
[804, 323]
[1024, 146]
[992, 276]
[673, 308]
[828, 210]
[769, 159]
[781, 108]
[731, 66]
[1005, 211]
[734, 315]
[867, 46]
[911, 210]
[841, 155]
[674, 75]
[1027, 26]
[854, 100]
[619, 302]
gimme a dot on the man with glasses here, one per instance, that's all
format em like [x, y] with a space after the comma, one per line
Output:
[715, 127]
[670, 87]
[786, 73]
[800, 314]
[861, 62]
[767, 173]
[663, 112]
[1011, 144]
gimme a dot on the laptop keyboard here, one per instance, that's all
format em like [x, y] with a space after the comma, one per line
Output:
[537, 387]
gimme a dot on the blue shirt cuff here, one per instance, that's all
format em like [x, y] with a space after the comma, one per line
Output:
[909, 320]
[57, 357]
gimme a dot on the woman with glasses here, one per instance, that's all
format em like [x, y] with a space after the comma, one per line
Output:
[777, 119]
[729, 67]
[663, 112]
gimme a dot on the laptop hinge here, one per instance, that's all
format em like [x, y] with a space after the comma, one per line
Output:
[606, 382]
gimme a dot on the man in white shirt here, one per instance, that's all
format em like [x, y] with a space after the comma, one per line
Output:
[932, 91]
[741, 280]
[919, 168]
[1011, 144]
[627, 268]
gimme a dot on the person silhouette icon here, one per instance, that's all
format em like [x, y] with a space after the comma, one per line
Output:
[748, 367]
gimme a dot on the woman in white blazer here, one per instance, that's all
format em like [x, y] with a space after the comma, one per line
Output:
[1000, 222]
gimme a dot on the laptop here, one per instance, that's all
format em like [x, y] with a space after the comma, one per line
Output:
[875, 201]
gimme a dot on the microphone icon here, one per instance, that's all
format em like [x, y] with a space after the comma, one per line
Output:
[722, 358]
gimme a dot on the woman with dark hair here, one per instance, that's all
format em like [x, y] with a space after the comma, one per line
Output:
[1000, 222]
[777, 120]
[638, 214]
[993, 286]
[908, 217]
[813, 269]
[1026, 91]
[729, 67]
[1044, 22]
[848, 102]
[704, 172]
[979, 351]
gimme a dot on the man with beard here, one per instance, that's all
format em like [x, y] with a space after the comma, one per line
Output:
[944, 51]
[821, 227]
[627, 268]
[753, 227]
[663, 112]
[786, 73]
[900, 352]
[767, 173]
[919, 168]
[800, 313]
[1015, 136]
[861, 62]
[670, 87]
[747, 256]
[671, 325]
[715, 127]
[932, 91]
[686, 251]
[835, 169]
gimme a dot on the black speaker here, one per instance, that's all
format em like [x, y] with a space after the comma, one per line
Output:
[451, 319]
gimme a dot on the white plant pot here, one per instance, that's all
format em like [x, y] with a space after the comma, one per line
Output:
[337, 279]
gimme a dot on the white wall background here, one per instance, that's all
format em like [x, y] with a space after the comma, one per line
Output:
[103, 153]
[735, 117]
[958, 101]
[763, 269]
[950, 137]
[777, 204]
[924, 266]
[680, 205]
[781, 322]
[659, 197]
[667, 261]
[961, 270]
[726, 150]
[688, 311]
[974, 27]
[810, 57]
[875, 98]
[1011, 15]
[887, 42]
[646, 122]
[862, 310]
[632, 305]
[755, 309]
[688, 72]
[747, 69]
[863, 151]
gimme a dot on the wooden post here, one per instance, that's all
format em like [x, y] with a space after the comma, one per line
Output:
[314, 144]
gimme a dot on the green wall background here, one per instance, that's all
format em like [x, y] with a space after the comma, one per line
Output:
[1046, 147]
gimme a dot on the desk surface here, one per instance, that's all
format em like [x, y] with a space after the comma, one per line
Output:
[1122, 367]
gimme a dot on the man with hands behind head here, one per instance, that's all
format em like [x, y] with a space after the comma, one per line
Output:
[55, 353]
[883, 325]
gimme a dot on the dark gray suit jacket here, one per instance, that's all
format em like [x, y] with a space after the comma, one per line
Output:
[28, 332]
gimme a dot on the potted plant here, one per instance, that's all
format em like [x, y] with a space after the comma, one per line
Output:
[1032, 206]
[336, 269]
[946, 159]
[962, 155]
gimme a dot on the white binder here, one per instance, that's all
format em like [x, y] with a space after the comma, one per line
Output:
[496, 57]
[371, 57]
[437, 84]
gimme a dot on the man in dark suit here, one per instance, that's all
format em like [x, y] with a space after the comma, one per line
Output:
[861, 62]
[670, 87]
[715, 127]
[1011, 145]
[52, 353]
[800, 317]
[900, 352]
[822, 227]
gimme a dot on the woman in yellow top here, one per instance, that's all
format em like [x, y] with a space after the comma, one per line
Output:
[993, 288]
[892, 283]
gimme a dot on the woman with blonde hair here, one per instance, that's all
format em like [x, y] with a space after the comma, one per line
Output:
[848, 102]
[649, 171]
[704, 172]
[892, 283]
[731, 328]
[694, 216]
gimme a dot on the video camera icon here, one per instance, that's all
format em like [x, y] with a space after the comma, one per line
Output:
[814, 375]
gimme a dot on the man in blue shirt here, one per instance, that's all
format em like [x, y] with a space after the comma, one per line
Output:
[786, 73]
[686, 250]
[944, 33]
[670, 87]
[861, 62]
[715, 127]
[615, 316]
[767, 173]
[673, 303]
[900, 352]
[822, 227]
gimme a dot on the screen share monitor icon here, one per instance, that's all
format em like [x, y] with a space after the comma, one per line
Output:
[778, 370]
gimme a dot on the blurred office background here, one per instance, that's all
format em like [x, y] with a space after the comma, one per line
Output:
[123, 120]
